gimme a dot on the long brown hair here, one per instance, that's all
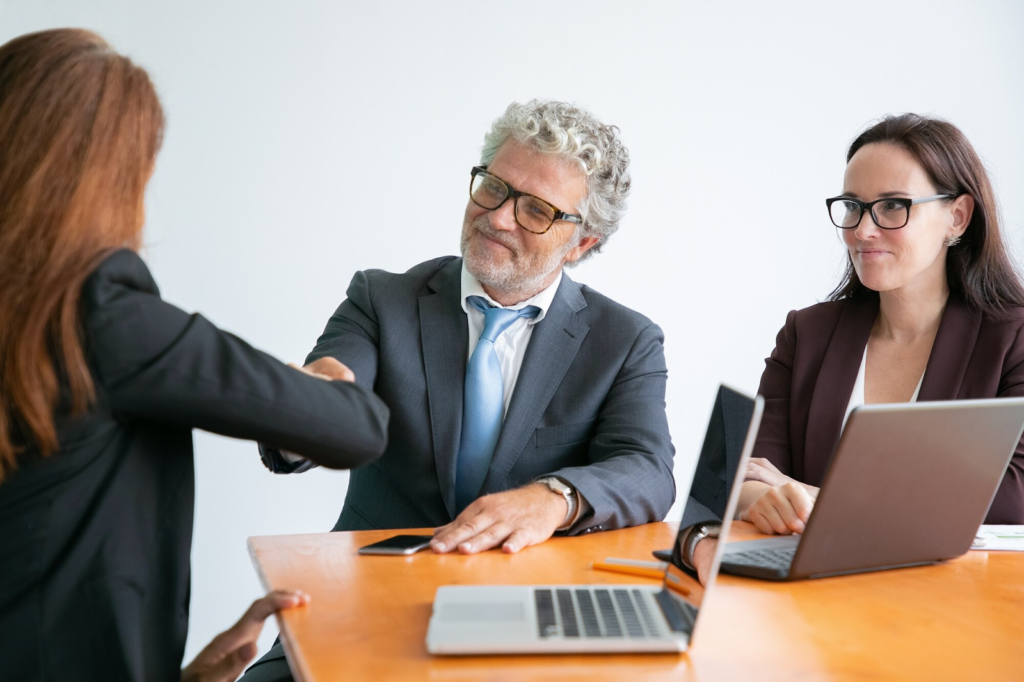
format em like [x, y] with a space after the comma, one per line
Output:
[80, 127]
[978, 268]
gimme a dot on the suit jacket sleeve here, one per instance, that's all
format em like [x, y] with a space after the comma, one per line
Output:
[776, 385]
[629, 479]
[351, 337]
[157, 362]
[1008, 504]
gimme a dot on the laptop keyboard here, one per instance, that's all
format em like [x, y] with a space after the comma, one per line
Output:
[594, 613]
[766, 558]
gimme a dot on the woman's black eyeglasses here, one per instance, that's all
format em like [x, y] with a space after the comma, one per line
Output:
[890, 213]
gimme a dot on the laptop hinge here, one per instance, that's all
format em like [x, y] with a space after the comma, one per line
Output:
[677, 620]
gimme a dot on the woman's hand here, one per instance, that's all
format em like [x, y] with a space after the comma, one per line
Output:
[781, 509]
[760, 469]
[226, 656]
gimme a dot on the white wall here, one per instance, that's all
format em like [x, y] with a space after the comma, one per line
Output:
[291, 124]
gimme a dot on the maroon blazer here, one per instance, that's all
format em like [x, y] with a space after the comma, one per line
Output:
[810, 375]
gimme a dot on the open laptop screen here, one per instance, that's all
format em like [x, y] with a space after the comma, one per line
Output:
[730, 436]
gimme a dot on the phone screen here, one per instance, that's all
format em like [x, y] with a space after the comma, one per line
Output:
[399, 544]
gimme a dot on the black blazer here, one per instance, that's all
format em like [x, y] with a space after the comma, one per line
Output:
[95, 540]
[810, 375]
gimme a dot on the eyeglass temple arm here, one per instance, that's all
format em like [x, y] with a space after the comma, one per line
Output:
[925, 200]
[514, 194]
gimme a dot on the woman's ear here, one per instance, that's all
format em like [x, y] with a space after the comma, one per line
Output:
[962, 210]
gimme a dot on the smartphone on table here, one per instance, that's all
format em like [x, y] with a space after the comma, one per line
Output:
[399, 544]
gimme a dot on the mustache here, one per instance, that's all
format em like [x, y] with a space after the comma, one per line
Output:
[483, 225]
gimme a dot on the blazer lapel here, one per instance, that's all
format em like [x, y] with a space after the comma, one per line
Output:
[444, 335]
[951, 351]
[834, 385]
[553, 346]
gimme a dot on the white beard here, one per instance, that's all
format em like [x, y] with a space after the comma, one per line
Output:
[520, 277]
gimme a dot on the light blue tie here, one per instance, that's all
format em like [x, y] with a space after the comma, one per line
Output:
[483, 408]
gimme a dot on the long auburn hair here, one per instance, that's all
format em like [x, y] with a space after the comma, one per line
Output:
[80, 127]
[978, 269]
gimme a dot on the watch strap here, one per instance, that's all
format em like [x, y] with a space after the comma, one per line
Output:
[569, 494]
[694, 536]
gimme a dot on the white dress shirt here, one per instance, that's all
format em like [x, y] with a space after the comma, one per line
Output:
[510, 347]
[857, 396]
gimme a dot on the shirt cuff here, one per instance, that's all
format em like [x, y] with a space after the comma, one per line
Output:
[283, 462]
[291, 457]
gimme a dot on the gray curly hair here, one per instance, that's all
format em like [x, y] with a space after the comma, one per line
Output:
[575, 135]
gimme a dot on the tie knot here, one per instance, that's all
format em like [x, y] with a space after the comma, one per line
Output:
[497, 320]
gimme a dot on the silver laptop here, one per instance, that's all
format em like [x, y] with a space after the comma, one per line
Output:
[909, 484]
[493, 619]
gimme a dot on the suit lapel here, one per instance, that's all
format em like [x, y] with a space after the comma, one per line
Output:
[553, 346]
[445, 337]
[951, 351]
[834, 385]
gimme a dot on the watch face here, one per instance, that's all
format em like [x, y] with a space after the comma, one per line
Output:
[711, 530]
[557, 486]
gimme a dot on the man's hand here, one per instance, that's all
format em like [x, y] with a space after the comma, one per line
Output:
[514, 519]
[327, 369]
[227, 655]
[703, 554]
[781, 510]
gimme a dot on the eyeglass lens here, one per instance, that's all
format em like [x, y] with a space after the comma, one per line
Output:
[889, 214]
[532, 213]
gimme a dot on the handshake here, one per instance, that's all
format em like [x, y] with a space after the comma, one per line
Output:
[327, 369]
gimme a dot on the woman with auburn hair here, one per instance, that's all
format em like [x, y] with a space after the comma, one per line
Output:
[930, 308]
[102, 382]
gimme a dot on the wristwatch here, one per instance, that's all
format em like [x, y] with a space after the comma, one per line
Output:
[557, 485]
[696, 534]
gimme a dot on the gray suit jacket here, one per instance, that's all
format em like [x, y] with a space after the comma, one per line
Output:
[589, 405]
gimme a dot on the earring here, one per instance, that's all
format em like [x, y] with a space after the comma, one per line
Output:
[952, 240]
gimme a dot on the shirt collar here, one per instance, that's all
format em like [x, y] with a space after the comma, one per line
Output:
[543, 300]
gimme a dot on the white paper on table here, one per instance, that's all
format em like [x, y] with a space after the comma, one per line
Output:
[999, 538]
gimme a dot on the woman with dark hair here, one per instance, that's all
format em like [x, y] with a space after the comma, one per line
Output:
[930, 308]
[102, 382]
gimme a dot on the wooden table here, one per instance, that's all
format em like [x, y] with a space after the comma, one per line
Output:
[962, 620]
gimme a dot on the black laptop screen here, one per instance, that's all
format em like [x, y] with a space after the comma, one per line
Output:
[712, 484]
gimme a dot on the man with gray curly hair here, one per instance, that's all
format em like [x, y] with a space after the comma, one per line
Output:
[575, 136]
[522, 403]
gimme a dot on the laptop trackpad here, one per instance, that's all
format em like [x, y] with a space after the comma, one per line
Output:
[495, 612]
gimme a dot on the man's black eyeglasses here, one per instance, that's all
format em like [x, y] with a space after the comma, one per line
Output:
[532, 213]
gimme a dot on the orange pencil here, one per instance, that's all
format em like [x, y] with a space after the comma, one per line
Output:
[630, 570]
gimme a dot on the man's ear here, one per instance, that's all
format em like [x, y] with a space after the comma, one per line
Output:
[576, 252]
[963, 209]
